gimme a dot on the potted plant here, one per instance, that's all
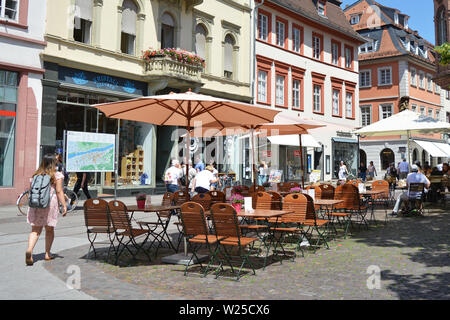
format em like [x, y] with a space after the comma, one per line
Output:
[295, 190]
[237, 201]
[140, 199]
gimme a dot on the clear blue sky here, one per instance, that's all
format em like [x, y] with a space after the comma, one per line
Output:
[421, 14]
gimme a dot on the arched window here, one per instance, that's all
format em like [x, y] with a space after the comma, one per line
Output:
[167, 31]
[83, 21]
[424, 157]
[441, 26]
[129, 19]
[386, 156]
[415, 156]
[200, 40]
[228, 57]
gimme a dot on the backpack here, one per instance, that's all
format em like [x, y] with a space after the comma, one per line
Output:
[39, 195]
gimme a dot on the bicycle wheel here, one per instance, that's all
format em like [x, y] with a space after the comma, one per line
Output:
[71, 195]
[22, 203]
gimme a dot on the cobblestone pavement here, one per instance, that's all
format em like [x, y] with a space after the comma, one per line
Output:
[412, 254]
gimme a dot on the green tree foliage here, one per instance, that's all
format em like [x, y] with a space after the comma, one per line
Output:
[444, 51]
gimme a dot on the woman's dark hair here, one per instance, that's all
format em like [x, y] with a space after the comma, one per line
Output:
[47, 166]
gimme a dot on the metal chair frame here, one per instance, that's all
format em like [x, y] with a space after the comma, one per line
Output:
[97, 221]
[196, 233]
[226, 226]
[121, 221]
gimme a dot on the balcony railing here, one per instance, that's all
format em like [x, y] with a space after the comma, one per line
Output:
[163, 66]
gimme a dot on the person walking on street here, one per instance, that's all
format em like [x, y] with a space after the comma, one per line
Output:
[343, 171]
[40, 218]
[403, 169]
[372, 170]
[82, 182]
[172, 176]
[363, 171]
[262, 173]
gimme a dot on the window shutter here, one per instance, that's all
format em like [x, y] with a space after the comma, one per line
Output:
[85, 9]
[200, 41]
[228, 58]
[129, 17]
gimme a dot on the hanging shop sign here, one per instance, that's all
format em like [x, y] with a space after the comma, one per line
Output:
[101, 81]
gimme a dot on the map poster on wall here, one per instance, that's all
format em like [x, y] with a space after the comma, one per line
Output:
[90, 152]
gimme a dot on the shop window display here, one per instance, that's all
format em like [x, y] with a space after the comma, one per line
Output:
[8, 101]
[74, 113]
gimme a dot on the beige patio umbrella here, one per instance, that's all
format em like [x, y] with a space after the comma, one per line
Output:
[187, 110]
[280, 126]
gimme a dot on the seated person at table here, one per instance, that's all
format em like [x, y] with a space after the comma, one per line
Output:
[203, 180]
[414, 177]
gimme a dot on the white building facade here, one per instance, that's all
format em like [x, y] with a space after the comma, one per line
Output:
[306, 63]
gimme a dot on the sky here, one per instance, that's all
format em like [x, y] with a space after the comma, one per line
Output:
[421, 13]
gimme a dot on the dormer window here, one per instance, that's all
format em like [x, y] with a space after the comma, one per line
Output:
[368, 47]
[355, 19]
[406, 23]
[321, 5]
[396, 18]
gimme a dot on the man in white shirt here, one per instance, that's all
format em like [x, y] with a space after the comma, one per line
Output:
[172, 177]
[203, 179]
[403, 169]
[414, 177]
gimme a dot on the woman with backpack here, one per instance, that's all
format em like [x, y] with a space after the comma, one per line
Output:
[45, 199]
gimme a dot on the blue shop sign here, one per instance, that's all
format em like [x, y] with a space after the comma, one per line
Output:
[101, 81]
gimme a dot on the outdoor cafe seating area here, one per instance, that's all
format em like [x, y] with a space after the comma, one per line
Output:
[225, 232]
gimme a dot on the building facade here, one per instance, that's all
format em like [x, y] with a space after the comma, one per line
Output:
[22, 26]
[95, 54]
[397, 68]
[307, 64]
[442, 35]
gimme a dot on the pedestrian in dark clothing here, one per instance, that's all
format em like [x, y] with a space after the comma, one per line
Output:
[82, 182]
[363, 171]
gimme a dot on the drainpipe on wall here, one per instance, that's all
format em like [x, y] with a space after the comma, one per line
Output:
[255, 28]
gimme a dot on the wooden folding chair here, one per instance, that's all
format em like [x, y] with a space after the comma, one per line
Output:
[196, 233]
[320, 226]
[383, 198]
[326, 191]
[226, 226]
[262, 201]
[216, 196]
[256, 188]
[283, 187]
[292, 223]
[415, 199]
[123, 229]
[97, 221]
[276, 200]
[180, 197]
[204, 199]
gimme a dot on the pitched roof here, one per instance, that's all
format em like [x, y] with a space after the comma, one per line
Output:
[335, 17]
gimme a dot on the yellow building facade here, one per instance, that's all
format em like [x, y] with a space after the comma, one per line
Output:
[94, 54]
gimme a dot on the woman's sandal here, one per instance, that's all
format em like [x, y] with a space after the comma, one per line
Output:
[28, 259]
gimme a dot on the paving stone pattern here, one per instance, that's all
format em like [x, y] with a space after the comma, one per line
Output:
[412, 254]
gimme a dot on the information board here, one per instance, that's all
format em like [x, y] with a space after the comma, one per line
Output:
[90, 152]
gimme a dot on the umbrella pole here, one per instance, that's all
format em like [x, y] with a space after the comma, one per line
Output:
[253, 156]
[409, 152]
[301, 161]
[188, 153]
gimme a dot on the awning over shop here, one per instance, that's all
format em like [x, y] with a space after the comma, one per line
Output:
[444, 147]
[435, 149]
[292, 140]
[344, 140]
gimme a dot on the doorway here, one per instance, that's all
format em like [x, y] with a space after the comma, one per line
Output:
[387, 157]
